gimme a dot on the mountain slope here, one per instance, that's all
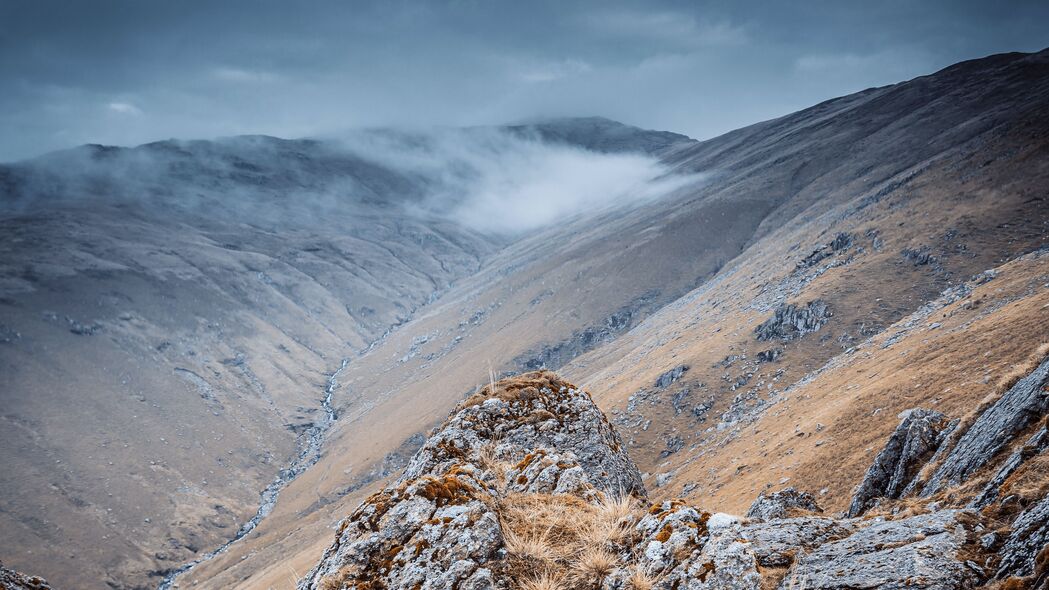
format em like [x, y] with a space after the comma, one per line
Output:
[172, 317]
[928, 182]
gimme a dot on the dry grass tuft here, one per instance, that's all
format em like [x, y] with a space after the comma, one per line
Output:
[641, 580]
[613, 520]
[544, 580]
[566, 538]
[594, 564]
[525, 386]
[531, 546]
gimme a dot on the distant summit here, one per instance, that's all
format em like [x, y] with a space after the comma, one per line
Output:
[603, 135]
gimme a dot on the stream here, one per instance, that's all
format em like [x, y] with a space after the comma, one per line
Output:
[307, 457]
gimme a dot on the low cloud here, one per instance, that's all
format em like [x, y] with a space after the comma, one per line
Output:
[494, 181]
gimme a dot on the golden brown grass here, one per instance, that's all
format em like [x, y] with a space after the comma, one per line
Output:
[524, 386]
[565, 539]
[594, 564]
[1022, 369]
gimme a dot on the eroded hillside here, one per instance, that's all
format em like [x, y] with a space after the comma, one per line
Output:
[791, 292]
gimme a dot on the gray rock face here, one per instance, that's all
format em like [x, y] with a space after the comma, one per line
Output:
[1018, 408]
[790, 321]
[439, 527]
[908, 448]
[776, 542]
[687, 549]
[1030, 533]
[666, 379]
[533, 411]
[917, 552]
[781, 504]
[840, 242]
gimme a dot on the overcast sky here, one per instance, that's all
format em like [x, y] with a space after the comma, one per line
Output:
[103, 71]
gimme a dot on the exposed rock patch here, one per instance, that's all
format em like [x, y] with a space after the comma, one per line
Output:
[1019, 407]
[669, 377]
[1030, 534]
[790, 321]
[919, 552]
[913, 442]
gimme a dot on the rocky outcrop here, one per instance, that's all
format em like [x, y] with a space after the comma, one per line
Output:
[441, 524]
[669, 377]
[526, 486]
[782, 504]
[530, 416]
[1018, 408]
[790, 321]
[12, 580]
[840, 242]
[910, 446]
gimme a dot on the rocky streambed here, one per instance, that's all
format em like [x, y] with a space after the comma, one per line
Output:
[311, 441]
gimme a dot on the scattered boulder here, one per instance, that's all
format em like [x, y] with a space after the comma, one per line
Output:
[1018, 408]
[770, 355]
[918, 256]
[910, 446]
[782, 504]
[790, 321]
[671, 376]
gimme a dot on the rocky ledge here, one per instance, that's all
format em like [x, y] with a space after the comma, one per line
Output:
[526, 485]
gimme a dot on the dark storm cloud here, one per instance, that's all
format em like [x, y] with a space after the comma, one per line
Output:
[134, 71]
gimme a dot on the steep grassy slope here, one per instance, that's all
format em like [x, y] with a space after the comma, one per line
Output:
[932, 180]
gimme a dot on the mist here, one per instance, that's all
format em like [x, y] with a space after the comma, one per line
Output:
[496, 181]
[493, 180]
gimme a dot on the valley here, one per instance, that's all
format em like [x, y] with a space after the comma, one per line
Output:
[256, 315]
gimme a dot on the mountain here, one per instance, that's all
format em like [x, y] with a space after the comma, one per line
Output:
[172, 318]
[759, 324]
